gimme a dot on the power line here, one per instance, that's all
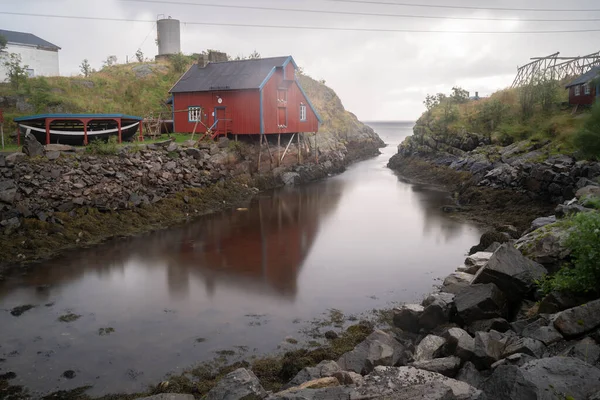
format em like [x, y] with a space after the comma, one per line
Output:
[464, 7]
[325, 28]
[368, 14]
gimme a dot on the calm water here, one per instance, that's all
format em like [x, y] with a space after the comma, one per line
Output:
[240, 280]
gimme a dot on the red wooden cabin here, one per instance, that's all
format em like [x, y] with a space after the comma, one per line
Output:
[246, 97]
[585, 89]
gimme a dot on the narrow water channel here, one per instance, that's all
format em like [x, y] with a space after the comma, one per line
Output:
[240, 280]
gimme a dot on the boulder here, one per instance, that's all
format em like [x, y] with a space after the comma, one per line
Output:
[52, 155]
[407, 317]
[539, 330]
[439, 308]
[511, 272]
[587, 350]
[469, 374]
[486, 325]
[476, 302]
[169, 396]
[411, 383]
[237, 385]
[489, 238]
[546, 378]
[546, 245]
[542, 221]
[456, 281]
[324, 369]
[379, 348]
[223, 142]
[172, 147]
[587, 192]
[578, 320]
[489, 348]
[493, 247]
[517, 359]
[459, 343]
[555, 302]
[563, 210]
[479, 259]
[8, 191]
[290, 178]
[349, 378]
[32, 147]
[524, 345]
[59, 147]
[429, 348]
[447, 366]
[13, 159]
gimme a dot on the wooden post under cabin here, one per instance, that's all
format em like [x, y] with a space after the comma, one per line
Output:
[120, 132]
[142, 130]
[279, 149]
[47, 131]
[260, 151]
[85, 136]
[299, 150]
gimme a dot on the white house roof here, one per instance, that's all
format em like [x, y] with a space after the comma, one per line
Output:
[27, 39]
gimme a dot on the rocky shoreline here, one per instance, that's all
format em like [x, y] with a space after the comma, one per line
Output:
[56, 198]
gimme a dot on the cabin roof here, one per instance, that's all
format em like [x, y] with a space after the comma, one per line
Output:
[585, 78]
[76, 116]
[28, 39]
[229, 75]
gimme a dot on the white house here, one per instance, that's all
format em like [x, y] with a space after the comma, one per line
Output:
[40, 56]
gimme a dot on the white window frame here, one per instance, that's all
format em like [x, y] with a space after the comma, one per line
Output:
[577, 90]
[302, 112]
[194, 114]
[586, 89]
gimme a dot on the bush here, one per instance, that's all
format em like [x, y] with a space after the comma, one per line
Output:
[583, 276]
[587, 140]
[102, 148]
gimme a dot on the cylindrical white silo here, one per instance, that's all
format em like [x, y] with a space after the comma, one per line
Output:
[169, 36]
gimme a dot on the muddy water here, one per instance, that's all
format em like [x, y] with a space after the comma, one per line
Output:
[242, 280]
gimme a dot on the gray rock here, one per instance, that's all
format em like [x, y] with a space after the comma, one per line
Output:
[13, 159]
[214, 149]
[542, 221]
[489, 348]
[429, 348]
[479, 259]
[348, 378]
[587, 192]
[10, 225]
[587, 350]
[460, 343]
[407, 317]
[223, 142]
[52, 155]
[558, 301]
[486, 325]
[392, 383]
[169, 396]
[517, 359]
[511, 272]
[547, 378]
[172, 147]
[447, 366]
[539, 330]
[476, 302]
[333, 393]
[578, 320]
[524, 345]
[323, 370]
[469, 374]
[489, 238]
[563, 210]
[379, 348]
[32, 147]
[456, 281]
[236, 385]
[197, 154]
[493, 247]
[439, 308]
[8, 191]
[290, 178]
[546, 245]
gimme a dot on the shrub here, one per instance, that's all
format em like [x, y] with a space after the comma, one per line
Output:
[583, 276]
[102, 148]
[587, 140]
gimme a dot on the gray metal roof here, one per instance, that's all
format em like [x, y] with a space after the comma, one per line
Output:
[230, 75]
[585, 78]
[27, 39]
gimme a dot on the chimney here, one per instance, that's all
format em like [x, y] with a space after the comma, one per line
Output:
[216, 56]
[476, 95]
[203, 61]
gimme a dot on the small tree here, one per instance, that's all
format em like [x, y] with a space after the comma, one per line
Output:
[3, 43]
[17, 73]
[110, 61]
[255, 55]
[86, 68]
[179, 62]
[459, 95]
[139, 55]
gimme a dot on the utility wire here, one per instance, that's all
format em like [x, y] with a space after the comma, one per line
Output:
[322, 28]
[369, 14]
[454, 7]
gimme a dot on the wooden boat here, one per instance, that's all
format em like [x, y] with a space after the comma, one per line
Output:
[74, 129]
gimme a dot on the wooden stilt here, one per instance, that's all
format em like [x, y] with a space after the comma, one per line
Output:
[316, 149]
[236, 138]
[120, 131]
[47, 131]
[299, 150]
[288, 146]
[85, 135]
[260, 151]
[270, 154]
[279, 149]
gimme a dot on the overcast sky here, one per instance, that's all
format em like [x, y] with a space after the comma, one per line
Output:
[378, 75]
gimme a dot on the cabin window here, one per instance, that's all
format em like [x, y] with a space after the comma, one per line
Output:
[577, 90]
[586, 89]
[302, 112]
[194, 114]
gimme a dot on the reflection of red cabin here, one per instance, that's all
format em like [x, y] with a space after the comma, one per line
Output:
[245, 97]
[584, 90]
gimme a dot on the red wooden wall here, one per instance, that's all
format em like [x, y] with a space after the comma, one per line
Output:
[242, 106]
[582, 98]
[244, 109]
